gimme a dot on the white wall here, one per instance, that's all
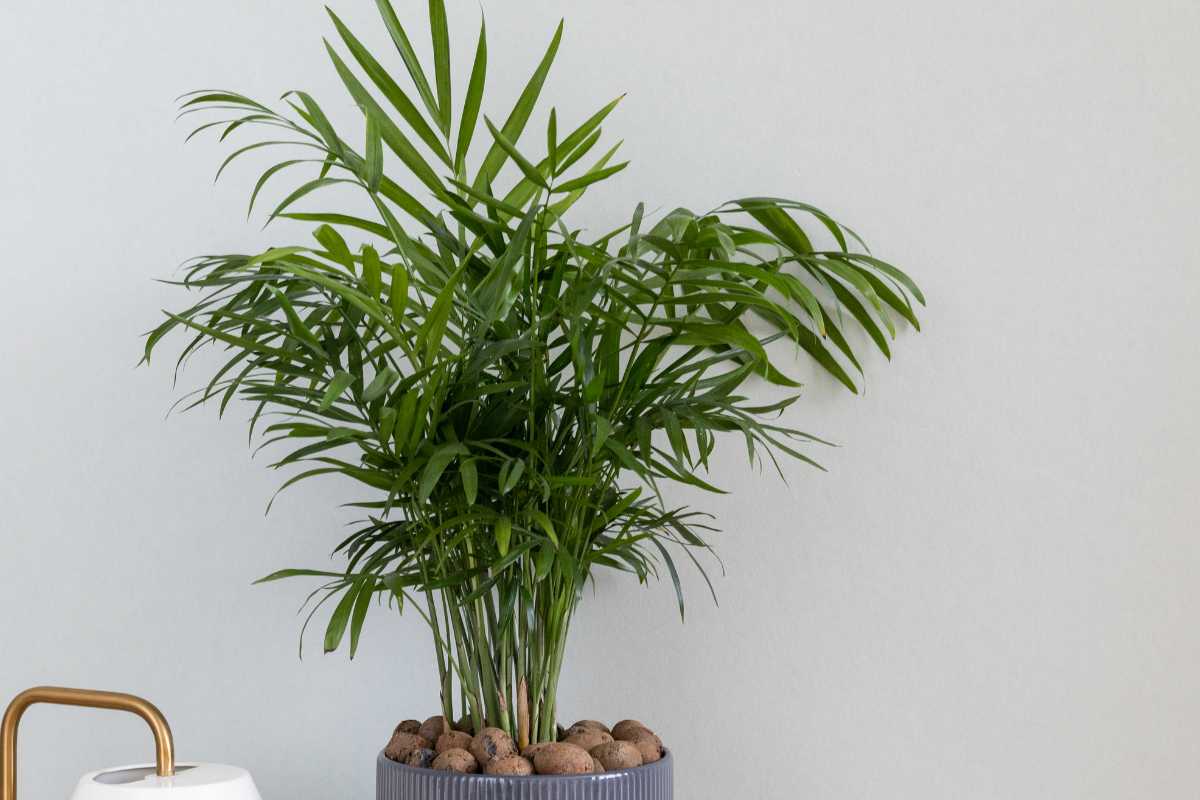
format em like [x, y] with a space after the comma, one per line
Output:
[993, 592]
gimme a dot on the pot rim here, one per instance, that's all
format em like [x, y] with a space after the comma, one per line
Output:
[589, 777]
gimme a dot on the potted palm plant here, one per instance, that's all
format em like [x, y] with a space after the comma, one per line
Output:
[513, 396]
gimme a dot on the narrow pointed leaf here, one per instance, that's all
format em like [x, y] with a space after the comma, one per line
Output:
[441, 61]
[589, 178]
[503, 531]
[470, 113]
[341, 381]
[362, 604]
[515, 124]
[374, 151]
[470, 480]
[391, 90]
[391, 134]
[336, 628]
[398, 293]
[372, 272]
[436, 466]
[529, 169]
[380, 384]
[439, 315]
[411, 62]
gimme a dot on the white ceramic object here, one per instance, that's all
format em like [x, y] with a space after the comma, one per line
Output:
[163, 780]
[190, 782]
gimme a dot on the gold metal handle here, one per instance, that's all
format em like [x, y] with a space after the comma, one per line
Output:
[163, 743]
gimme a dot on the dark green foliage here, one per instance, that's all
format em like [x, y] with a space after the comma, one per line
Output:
[511, 395]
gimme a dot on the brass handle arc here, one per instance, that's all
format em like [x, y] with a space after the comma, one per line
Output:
[163, 742]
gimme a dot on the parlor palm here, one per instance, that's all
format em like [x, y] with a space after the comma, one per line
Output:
[512, 396]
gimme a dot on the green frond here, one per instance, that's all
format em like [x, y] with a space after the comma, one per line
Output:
[512, 399]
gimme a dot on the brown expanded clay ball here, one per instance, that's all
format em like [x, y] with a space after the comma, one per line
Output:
[433, 727]
[465, 725]
[597, 767]
[452, 740]
[402, 744]
[589, 723]
[623, 731]
[509, 765]
[456, 760]
[617, 755]
[649, 745]
[422, 757]
[587, 738]
[492, 743]
[533, 749]
[560, 758]
[408, 726]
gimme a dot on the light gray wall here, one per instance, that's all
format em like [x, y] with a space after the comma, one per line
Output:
[992, 593]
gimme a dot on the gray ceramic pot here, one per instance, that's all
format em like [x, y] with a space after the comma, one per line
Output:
[400, 782]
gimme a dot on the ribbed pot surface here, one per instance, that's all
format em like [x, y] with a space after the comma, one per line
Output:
[401, 782]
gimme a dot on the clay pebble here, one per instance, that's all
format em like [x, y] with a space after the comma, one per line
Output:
[626, 728]
[402, 744]
[649, 745]
[587, 738]
[456, 760]
[421, 757]
[452, 740]
[433, 727]
[533, 749]
[560, 758]
[509, 765]
[586, 747]
[617, 755]
[492, 743]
